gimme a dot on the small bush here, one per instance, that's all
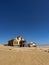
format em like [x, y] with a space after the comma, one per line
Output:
[10, 49]
[45, 50]
[48, 51]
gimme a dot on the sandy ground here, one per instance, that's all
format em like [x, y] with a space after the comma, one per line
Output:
[24, 56]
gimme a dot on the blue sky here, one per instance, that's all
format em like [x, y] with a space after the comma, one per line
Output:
[28, 18]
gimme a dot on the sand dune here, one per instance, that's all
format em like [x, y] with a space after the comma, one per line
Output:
[23, 56]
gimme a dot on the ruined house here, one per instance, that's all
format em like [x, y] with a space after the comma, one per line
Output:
[32, 44]
[18, 41]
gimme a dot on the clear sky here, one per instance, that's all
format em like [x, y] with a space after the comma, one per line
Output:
[28, 18]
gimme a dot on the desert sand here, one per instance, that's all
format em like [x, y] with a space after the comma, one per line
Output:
[24, 56]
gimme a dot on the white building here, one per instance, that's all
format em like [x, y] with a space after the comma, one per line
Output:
[32, 44]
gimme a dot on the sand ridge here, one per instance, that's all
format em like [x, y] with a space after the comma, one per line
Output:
[23, 56]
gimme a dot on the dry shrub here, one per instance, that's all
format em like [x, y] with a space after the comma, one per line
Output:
[45, 50]
[10, 49]
[48, 51]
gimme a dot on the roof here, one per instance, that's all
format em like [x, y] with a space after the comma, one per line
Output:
[32, 43]
[17, 38]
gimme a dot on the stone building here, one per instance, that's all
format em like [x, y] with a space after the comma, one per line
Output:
[18, 41]
[32, 44]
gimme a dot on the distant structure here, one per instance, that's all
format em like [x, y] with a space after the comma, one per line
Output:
[32, 44]
[18, 41]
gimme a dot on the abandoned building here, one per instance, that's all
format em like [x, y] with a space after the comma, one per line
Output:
[18, 41]
[32, 44]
